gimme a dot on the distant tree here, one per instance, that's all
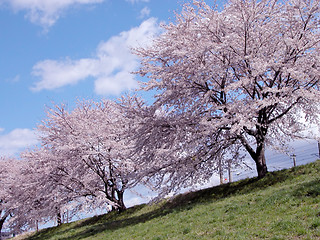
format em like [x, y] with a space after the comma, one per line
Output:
[10, 179]
[41, 197]
[4, 211]
[246, 75]
[87, 152]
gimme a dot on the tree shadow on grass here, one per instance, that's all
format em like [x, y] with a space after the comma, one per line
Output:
[308, 189]
[111, 221]
[102, 223]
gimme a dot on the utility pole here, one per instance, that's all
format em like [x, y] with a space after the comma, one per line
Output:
[229, 171]
[220, 171]
[319, 148]
[294, 159]
[67, 216]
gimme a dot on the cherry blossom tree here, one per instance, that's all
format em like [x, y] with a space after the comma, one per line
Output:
[28, 194]
[87, 152]
[171, 152]
[84, 163]
[41, 197]
[246, 75]
[10, 180]
[4, 211]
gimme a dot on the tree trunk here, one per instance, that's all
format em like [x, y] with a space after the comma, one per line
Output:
[261, 162]
[1, 225]
[122, 207]
[37, 226]
[59, 219]
[259, 155]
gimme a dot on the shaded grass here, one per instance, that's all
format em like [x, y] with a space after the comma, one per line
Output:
[283, 205]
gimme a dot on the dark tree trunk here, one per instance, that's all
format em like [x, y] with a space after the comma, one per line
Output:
[261, 165]
[258, 155]
[118, 199]
[260, 158]
[59, 218]
[1, 225]
[37, 226]
[122, 207]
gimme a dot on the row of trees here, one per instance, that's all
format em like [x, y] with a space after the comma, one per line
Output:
[227, 82]
[84, 162]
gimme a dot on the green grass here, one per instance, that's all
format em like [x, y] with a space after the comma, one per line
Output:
[283, 205]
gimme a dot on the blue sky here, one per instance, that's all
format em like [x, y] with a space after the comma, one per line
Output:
[61, 50]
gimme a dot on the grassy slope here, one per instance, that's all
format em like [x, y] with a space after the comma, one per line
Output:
[283, 205]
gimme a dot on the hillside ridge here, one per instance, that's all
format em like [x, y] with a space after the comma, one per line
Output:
[283, 205]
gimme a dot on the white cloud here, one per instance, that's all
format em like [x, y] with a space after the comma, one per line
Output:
[55, 74]
[45, 12]
[16, 140]
[145, 12]
[136, 1]
[110, 67]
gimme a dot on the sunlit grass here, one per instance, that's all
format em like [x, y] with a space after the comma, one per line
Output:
[283, 205]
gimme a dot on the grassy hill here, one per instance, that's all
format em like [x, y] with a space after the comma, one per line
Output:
[283, 205]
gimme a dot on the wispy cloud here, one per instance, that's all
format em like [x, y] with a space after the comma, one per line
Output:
[110, 67]
[14, 79]
[16, 140]
[145, 12]
[45, 12]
